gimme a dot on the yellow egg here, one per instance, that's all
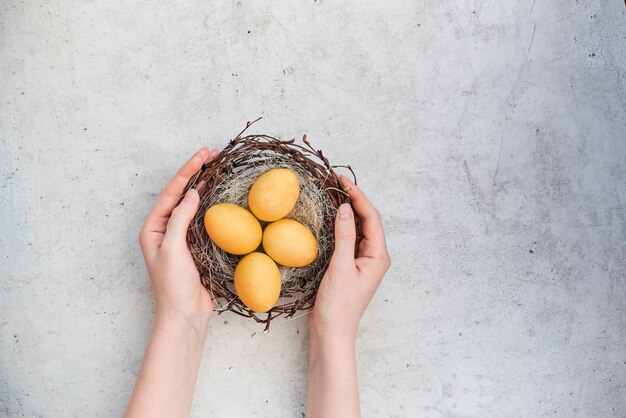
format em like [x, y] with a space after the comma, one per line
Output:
[274, 194]
[289, 243]
[257, 282]
[233, 228]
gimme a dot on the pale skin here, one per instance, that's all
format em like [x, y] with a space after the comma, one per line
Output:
[167, 378]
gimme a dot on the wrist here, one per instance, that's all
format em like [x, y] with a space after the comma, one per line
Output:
[322, 330]
[332, 338]
[178, 324]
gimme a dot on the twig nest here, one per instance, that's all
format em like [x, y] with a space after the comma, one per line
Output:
[310, 195]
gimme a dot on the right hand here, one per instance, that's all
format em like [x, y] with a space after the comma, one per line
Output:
[350, 283]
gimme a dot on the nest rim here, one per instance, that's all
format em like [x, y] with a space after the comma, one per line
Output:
[234, 157]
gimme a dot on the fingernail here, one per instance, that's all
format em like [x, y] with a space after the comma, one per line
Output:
[346, 179]
[190, 192]
[212, 154]
[347, 184]
[344, 211]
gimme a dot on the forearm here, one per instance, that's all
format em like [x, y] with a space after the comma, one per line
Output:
[167, 379]
[333, 386]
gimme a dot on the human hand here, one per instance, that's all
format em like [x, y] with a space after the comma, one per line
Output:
[178, 294]
[350, 283]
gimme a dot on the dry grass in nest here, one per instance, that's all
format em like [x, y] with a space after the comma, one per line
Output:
[228, 178]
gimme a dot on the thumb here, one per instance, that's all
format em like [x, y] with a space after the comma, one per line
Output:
[182, 216]
[345, 236]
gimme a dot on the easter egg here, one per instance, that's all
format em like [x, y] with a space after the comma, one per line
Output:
[274, 194]
[257, 282]
[289, 243]
[233, 228]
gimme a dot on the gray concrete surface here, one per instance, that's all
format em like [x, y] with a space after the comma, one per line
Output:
[490, 135]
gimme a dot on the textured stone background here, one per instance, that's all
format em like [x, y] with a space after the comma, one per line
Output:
[492, 138]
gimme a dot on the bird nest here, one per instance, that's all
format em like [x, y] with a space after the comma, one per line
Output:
[228, 178]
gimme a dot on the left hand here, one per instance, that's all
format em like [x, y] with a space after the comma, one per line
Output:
[178, 294]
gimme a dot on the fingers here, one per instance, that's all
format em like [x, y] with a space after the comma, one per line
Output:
[373, 244]
[181, 217]
[157, 220]
[345, 236]
[154, 228]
